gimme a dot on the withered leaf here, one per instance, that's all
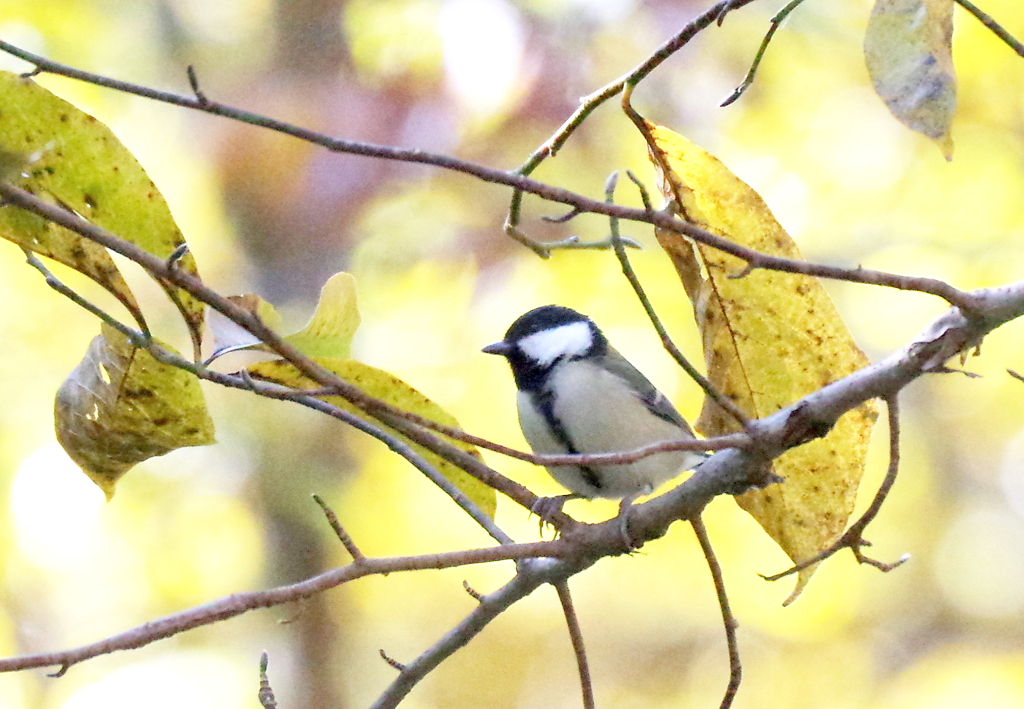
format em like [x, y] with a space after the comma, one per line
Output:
[908, 48]
[120, 407]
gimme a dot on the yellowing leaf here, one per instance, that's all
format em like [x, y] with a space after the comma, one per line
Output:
[392, 390]
[770, 338]
[908, 47]
[120, 406]
[329, 332]
[79, 164]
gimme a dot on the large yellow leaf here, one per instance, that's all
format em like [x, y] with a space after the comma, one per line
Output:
[120, 406]
[78, 163]
[908, 48]
[392, 390]
[770, 338]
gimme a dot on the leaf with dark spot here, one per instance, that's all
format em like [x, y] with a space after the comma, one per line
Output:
[120, 407]
[770, 338]
[77, 163]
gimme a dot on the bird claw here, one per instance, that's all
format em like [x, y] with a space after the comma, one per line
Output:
[548, 507]
[625, 505]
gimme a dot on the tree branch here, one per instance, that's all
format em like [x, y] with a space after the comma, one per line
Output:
[576, 637]
[515, 180]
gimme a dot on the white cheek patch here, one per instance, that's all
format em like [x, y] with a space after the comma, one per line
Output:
[546, 346]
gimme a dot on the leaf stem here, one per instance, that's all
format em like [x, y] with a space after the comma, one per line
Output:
[776, 22]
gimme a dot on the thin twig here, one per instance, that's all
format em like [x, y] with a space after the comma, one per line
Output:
[515, 180]
[576, 636]
[245, 381]
[996, 28]
[255, 326]
[776, 22]
[266, 693]
[310, 398]
[473, 593]
[853, 538]
[531, 574]
[339, 531]
[56, 284]
[193, 81]
[391, 661]
[728, 619]
[590, 103]
[666, 339]
[240, 603]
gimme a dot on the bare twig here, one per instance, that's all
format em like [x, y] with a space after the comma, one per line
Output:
[193, 81]
[853, 538]
[776, 22]
[339, 531]
[239, 603]
[996, 28]
[517, 181]
[728, 619]
[576, 636]
[56, 284]
[531, 574]
[666, 340]
[391, 661]
[266, 693]
[473, 593]
[590, 103]
[755, 259]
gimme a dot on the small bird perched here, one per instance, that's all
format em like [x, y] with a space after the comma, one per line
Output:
[577, 394]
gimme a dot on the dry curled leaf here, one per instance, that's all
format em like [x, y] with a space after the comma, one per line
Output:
[908, 48]
[770, 338]
[120, 407]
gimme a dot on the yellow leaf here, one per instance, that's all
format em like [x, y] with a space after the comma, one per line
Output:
[120, 407]
[79, 164]
[392, 390]
[770, 338]
[908, 48]
[329, 332]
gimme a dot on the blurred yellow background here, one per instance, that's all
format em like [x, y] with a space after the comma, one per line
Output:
[489, 80]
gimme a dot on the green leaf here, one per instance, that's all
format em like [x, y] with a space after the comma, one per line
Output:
[120, 407]
[79, 164]
[908, 48]
[391, 390]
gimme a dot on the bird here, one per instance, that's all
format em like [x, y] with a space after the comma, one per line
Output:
[577, 394]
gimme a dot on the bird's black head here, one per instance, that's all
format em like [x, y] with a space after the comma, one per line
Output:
[541, 338]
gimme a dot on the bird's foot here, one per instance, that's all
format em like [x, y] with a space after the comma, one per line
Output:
[547, 507]
[625, 505]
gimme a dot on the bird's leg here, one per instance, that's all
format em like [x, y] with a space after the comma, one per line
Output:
[625, 505]
[548, 507]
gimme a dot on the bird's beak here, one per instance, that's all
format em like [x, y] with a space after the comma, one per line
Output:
[498, 348]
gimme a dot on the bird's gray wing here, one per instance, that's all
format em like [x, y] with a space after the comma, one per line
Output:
[656, 402]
